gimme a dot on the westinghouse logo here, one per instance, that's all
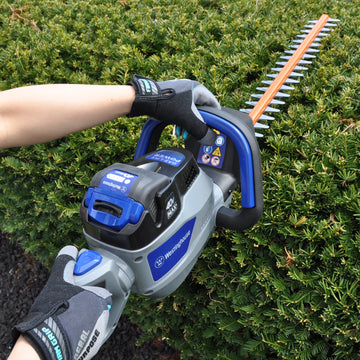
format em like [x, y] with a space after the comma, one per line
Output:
[160, 261]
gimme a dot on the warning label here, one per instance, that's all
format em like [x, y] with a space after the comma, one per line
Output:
[217, 152]
[213, 155]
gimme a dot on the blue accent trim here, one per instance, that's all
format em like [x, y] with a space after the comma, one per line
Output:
[169, 157]
[145, 137]
[166, 256]
[244, 152]
[131, 210]
[86, 262]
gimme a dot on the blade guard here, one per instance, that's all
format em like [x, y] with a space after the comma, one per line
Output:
[239, 128]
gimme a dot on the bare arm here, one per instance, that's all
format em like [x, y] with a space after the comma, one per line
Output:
[23, 350]
[40, 113]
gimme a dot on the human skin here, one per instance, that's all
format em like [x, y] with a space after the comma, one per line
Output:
[40, 113]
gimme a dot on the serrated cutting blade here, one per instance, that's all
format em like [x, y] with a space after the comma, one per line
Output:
[306, 48]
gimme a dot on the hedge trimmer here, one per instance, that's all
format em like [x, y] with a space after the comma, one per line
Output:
[147, 222]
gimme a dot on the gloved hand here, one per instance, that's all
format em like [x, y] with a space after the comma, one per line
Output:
[66, 321]
[174, 102]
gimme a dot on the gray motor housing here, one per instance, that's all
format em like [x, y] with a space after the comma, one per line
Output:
[164, 261]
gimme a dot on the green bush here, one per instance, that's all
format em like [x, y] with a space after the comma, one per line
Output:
[287, 288]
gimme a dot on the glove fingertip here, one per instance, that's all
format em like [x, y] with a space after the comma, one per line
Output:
[209, 138]
[203, 96]
[69, 250]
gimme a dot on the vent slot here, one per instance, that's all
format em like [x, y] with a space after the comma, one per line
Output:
[190, 175]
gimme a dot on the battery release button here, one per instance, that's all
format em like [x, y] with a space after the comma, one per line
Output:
[86, 262]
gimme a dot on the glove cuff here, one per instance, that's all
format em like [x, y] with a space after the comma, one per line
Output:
[48, 340]
[147, 93]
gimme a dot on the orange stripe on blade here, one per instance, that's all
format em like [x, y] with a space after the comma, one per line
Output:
[288, 68]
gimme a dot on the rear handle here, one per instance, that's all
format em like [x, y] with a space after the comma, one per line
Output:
[238, 126]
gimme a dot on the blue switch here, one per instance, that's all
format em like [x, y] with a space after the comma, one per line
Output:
[86, 262]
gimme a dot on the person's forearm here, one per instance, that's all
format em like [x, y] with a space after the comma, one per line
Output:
[23, 350]
[40, 113]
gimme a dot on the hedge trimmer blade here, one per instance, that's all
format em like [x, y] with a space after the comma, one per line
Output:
[302, 53]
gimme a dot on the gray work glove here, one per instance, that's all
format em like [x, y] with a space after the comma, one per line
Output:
[66, 321]
[174, 102]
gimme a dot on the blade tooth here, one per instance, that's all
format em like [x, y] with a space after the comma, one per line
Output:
[300, 68]
[260, 126]
[303, 37]
[291, 81]
[287, 88]
[279, 94]
[304, 62]
[283, 87]
[315, 44]
[271, 109]
[259, 135]
[331, 24]
[277, 102]
[297, 46]
[267, 82]
[321, 34]
[305, 56]
[312, 51]
[330, 19]
[311, 26]
[308, 56]
[287, 81]
[308, 51]
[282, 95]
[268, 109]
[273, 102]
[291, 74]
[295, 74]
[251, 103]
[266, 118]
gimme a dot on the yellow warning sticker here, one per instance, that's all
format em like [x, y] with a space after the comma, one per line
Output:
[217, 152]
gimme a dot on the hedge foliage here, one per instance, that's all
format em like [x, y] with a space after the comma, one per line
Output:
[289, 287]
